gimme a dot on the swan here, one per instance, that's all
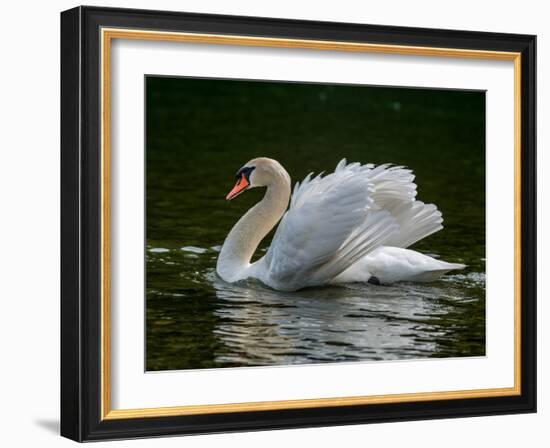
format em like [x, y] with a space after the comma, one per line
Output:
[352, 225]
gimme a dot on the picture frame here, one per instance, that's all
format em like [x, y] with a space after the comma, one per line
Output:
[86, 37]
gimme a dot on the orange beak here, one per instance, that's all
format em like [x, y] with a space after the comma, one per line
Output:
[241, 185]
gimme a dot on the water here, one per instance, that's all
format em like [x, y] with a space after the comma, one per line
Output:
[199, 132]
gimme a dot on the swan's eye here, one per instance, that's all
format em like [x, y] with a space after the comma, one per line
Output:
[246, 171]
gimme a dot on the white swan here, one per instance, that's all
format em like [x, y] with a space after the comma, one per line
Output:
[353, 225]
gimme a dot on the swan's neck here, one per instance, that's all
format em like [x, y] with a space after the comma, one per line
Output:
[251, 229]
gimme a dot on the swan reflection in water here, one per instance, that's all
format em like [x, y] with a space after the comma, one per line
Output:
[261, 326]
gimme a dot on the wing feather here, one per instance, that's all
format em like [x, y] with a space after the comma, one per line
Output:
[331, 223]
[395, 191]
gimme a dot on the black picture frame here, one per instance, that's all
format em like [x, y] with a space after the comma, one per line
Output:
[81, 224]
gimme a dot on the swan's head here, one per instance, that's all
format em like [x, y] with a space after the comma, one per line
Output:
[259, 172]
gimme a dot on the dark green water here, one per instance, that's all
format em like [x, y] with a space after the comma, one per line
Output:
[199, 132]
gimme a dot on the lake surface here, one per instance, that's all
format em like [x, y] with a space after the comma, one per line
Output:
[200, 132]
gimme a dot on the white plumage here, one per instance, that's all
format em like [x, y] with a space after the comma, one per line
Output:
[352, 225]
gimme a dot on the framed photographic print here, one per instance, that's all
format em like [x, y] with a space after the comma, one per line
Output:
[275, 224]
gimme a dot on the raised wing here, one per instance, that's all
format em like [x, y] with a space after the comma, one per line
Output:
[332, 222]
[394, 190]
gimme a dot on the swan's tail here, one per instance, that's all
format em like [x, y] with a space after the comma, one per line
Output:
[434, 274]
